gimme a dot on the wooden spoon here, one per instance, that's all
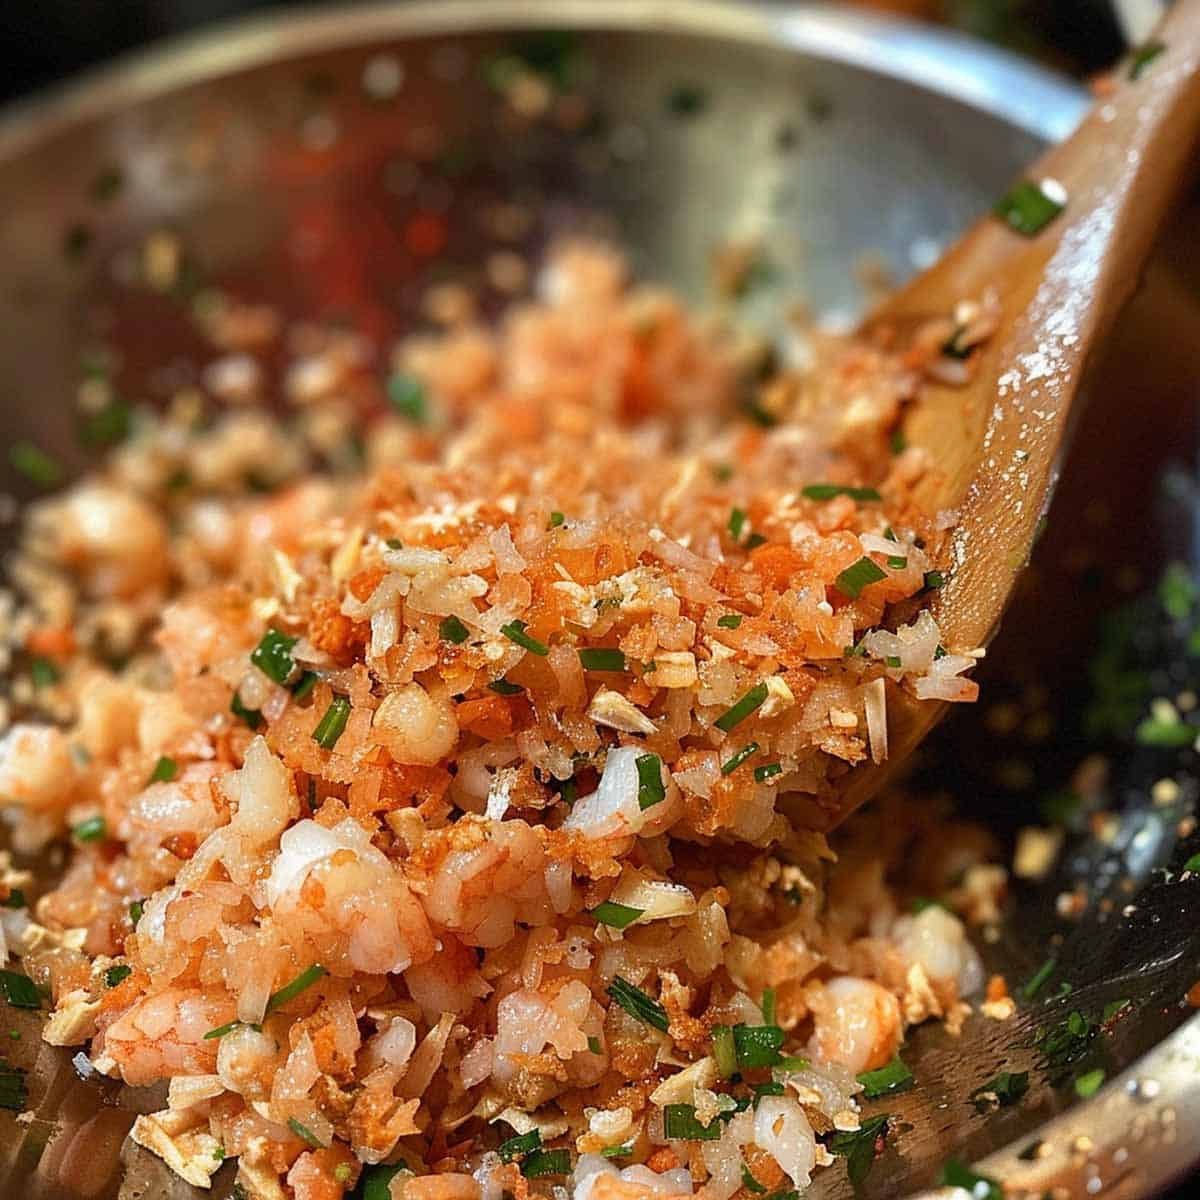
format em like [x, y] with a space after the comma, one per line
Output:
[997, 442]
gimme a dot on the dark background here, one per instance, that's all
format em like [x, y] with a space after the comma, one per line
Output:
[43, 41]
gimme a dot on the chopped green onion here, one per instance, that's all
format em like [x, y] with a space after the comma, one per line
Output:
[407, 396]
[375, 1183]
[546, 1162]
[724, 1051]
[1039, 979]
[1006, 1088]
[753, 700]
[737, 522]
[305, 1134]
[618, 916]
[333, 724]
[899, 443]
[602, 658]
[650, 785]
[1168, 734]
[273, 656]
[515, 1147]
[617, 1151]
[952, 347]
[108, 425]
[680, 1123]
[758, 1045]
[1088, 1084]
[827, 491]
[729, 621]
[892, 662]
[754, 541]
[135, 912]
[792, 1062]
[637, 1004]
[251, 716]
[556, 519]
[15, 899]
[921, 903]
[115, 975]
[1112, 1008]
[43, 672]
[934, 579]
[91, 830]
[767, 771]
[896, 563]
[750, 1183]
[979, 1187]
[220, 1031]
[857, 576]
[341, 1172]
[453, 630]
[770, 1088]
[394, 544]
[19, 990]
[1028, 207]
[304, 685]
[731, 764]
[503, 688]
[857, 1147]
[768, 1006]
[290, 991]
[1143, 56]
[515, 632]
[895, 1077]
[13, 1093]
[164, 770]
[594, 1045]
[35, 464]
[1192, 864]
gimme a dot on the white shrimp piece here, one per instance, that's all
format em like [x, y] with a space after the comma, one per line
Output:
[856, 1023]
[723, 1156]
[415, 727]
[528, 1021]
[598, 1179]
[783, 1131]
[108, 716]
[478, 894]
[37, 769]
[114, 540]
[613, 810]
[362, 909]
[246, 1061]
[937, 941]
[163, 1035]
[185, 805]
[449, 982]
[392, 1046]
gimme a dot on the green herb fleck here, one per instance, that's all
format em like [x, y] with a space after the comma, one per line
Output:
[637, 1004]
[737, 522]
[602, 658]
[650, 785]
[724, 1051]
[617, 1151]
[333, 724]
[546, 1162]
[1039, 979]
[1028, 208]
[767, 771]
[502, 687]
[979, 1187]
[857, 576]
[135, 912]
[35, 464]
[732, 763]
[115, 975]
[729, 621]
[290, 991]
[1006, 1088]
[522, 1144]
[305, 1134]
[164, 770]
[594, 1045]
[1165, 734]
[515, 632]
[899, 443]
[750, 1183]
[758, 1045]
[934, 580]
[827, 491]
[91, 830]
[618, 916]
[13, 1094]
[680, 1123]
[556, 519]
[15, 899]
[453, 630]
[273, 656]
[19, 990]
[375, 1182]
[753, 700]
[1143, 56]
[43, 672]
[1089, 1083]
[895, 1077]
[858, 1147]
[407, 396]
[251, 716]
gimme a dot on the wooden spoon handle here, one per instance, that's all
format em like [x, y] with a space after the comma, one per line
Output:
[996, 444]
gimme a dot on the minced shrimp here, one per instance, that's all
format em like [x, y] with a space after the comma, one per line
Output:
[434, 773]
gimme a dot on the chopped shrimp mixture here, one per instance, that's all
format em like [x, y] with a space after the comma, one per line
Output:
[442, 749]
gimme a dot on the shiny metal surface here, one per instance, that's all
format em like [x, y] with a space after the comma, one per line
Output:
[825, 135]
